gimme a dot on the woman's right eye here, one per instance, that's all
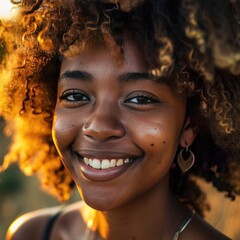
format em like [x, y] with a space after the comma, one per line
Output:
[74, 96]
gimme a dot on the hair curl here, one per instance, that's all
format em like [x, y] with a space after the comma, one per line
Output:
[193, 44]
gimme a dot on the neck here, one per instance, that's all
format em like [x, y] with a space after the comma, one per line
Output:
[153, 215]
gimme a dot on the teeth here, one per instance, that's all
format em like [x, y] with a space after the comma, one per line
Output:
[90, 162]
[119, 162]
[113, 163]
[86, 160]
[105, 163]
[96, 163]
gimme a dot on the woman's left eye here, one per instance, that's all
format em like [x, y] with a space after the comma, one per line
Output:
[142, 100]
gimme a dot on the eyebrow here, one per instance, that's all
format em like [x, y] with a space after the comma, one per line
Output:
[76, 74]
[125, 77]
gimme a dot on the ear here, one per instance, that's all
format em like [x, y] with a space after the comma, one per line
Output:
[189, 133]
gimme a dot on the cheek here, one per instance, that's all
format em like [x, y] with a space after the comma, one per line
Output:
[64, 131]
[153, 134]
[159, 140]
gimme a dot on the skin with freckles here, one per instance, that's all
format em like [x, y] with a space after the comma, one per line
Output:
[114, 91]
[107, 111]
[107, 115]
[101, 113]
[110, 116]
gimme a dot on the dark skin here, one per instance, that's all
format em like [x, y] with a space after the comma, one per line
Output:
[102, 114]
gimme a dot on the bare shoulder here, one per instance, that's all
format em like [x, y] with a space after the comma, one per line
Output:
[199, 229]
[73, 221]
[31, 224]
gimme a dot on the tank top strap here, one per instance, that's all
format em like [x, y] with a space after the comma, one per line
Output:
[50, 224]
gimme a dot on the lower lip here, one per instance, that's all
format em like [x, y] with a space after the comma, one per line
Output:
[102, 174]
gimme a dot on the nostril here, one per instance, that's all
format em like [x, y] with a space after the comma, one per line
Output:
[102, 135]
[86, 126]
[101, 127]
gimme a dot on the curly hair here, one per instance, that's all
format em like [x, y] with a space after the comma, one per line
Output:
[193, 44]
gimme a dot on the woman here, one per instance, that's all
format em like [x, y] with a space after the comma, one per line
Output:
[140, 99]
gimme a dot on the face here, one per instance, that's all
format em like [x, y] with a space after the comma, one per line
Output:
[116, 128]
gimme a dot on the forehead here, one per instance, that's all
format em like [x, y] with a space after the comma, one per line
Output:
[98, 55]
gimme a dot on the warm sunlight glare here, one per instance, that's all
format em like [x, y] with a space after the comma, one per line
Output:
[14, 226]
[7, 9]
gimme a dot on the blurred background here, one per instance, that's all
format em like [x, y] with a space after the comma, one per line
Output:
[20, 194]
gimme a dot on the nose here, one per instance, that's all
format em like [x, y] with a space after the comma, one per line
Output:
[103, 124]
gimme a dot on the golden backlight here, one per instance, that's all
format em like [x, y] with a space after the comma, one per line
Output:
[7, 9]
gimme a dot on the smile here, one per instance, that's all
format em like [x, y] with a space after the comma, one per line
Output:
[106, 163]
[104, 168]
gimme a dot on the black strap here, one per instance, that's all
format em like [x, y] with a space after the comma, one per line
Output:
[49, 226]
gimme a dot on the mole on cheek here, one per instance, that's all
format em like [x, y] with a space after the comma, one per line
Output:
[152, 145]
[164, 142]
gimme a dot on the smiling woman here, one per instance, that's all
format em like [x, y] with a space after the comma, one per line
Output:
[110, 101]
[132, 102]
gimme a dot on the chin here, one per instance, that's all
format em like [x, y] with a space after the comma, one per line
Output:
[97, 201]
[100, 205]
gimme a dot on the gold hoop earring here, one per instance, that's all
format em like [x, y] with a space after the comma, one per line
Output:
[187, 161]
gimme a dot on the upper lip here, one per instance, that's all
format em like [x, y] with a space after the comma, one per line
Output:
[106, 154]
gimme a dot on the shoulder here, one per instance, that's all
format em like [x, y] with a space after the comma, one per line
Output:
[30, 224]
[72, 219]
[201, 230]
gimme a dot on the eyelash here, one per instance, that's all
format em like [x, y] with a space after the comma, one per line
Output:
[78, 97]
[75, 94]
[142, 99]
